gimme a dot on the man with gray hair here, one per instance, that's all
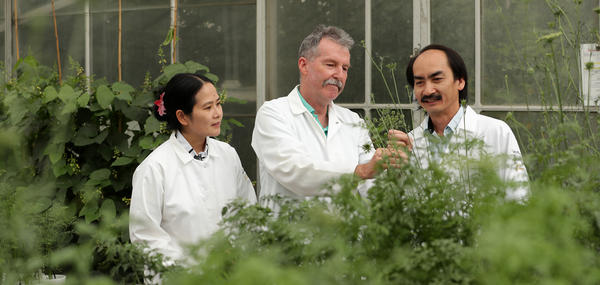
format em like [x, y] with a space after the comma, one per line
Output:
[304, 140]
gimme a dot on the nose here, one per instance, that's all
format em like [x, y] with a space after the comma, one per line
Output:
[218, 112]
[339, 73]
[429, 88]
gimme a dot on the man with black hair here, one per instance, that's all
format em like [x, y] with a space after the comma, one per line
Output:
[438, 76]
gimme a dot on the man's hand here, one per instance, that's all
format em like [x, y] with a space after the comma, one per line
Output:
[384, 157]
[398, 140]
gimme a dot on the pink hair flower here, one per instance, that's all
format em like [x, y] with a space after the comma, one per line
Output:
[160, 103]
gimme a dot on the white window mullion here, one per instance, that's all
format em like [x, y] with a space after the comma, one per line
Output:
[421, 38]
[261, 52]
[261, 66]
[421, 23]
[173, 15]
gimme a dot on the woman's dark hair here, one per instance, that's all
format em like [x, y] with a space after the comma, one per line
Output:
[179, 94]
[456, 63]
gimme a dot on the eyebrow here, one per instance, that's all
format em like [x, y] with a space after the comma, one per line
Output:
[430, 75]
[333, 60]
[210, 102]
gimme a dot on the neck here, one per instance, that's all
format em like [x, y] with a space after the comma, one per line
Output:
[320, 107]
[442, 119]
[197, 142]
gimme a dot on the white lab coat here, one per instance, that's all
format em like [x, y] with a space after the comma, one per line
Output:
[296, 158]
[497, 137]
[177, 199]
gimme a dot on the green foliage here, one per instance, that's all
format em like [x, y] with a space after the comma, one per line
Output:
[69, 154]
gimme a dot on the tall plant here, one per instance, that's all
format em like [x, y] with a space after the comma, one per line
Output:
[82, 145]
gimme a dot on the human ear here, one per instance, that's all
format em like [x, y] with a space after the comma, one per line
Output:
[302, 65]
[461, 84]
[181, 117]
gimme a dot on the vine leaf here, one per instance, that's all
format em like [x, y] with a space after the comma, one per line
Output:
[123, 160]
[123, 90]
[152, 125]
[49, 94]
[100, 174]
[195, 67]
[146, 142]
[67, 94]
[55, 151]
[104, 96]
[83, 100]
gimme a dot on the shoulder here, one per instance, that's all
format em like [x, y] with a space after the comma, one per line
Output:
[159, 154]
[222, 148]
[219, 145]
[274, 108]
[346, 114]
[159, 159]
[281, 101]
[492, 124]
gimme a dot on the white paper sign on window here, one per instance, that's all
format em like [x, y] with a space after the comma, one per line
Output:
[590, 74]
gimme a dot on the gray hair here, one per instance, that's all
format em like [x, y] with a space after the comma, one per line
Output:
[308, 47]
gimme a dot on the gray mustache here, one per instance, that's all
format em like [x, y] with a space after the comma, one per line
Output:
[333, 82]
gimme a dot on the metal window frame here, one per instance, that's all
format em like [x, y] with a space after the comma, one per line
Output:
[421, 37]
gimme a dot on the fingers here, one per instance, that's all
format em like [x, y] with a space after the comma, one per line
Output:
[390, 157]
[399, 138]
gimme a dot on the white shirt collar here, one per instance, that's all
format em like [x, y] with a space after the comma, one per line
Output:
[188, 147]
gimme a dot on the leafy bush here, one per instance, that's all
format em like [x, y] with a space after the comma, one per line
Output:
[70, 151]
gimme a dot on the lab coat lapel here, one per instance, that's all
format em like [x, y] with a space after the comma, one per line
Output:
[335, 121]
[298, 109]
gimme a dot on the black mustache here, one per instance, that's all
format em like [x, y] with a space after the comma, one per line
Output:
[432, 97]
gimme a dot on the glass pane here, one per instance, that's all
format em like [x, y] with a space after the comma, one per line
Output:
[144, 27]
[240, 140]
[31, 8]
[294, 21]
[392, 47]
[520, 65]
[36, 33]
[533, 126]
[222, 36]
[457, 33]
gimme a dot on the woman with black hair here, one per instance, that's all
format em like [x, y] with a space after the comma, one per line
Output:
[181, 187]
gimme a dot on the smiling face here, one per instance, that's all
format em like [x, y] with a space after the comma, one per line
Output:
[323, 77]
[435, 87]
[206, 116]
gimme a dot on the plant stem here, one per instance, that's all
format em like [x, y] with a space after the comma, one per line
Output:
[556, 83]
[57, 45]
